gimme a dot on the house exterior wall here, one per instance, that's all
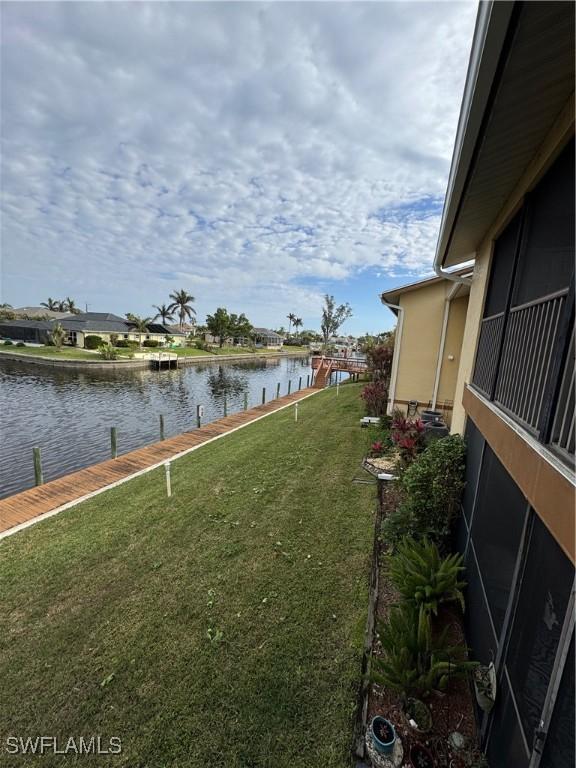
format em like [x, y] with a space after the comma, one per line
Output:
[424, 310]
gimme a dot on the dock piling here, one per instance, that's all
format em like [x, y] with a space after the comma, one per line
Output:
[277, 390]
[38, 478]
[199, 414]
[245, 401]
[308, 381]
[225, 405]
[299, 383]
[263, 395]
[113, 442]
[289, 385]
[161, 427]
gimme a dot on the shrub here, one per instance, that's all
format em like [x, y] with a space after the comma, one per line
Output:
[433, 485]
[20, 344]
[413, 663]
[375, 396]
[114, 339]
[150, 343]
[92, 342]
[8, 343]
[122, 343]
[408, 437]
[108, 352]
[379, 360]
[200, 344]
[423, 578]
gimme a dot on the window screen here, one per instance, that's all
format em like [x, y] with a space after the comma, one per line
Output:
[479, 635]
[506, 747]
[559, 749]
[501, 269]
[547, 262]
[496, 532]
[474, 445]
[543, 598]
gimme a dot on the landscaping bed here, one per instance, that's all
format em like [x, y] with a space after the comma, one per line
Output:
[418, 708]
[452, 710]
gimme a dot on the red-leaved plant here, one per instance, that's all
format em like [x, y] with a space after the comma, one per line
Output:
[377, 449]
[375, 396]
[407, 436]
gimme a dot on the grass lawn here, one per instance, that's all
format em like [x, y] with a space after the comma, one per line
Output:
[66, 353]
[220, 628]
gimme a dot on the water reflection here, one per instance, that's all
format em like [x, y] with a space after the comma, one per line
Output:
[69, 413]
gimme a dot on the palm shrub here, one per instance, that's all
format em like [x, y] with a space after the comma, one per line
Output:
[424, 579]
[414, 663]
[108, 351]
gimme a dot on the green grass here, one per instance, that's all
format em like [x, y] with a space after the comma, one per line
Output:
[107, 608]
[66, 353]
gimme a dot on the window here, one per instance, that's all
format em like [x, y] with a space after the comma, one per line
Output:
[496, 533]
[544, 593]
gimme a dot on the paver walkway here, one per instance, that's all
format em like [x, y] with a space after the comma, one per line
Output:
[66, 491]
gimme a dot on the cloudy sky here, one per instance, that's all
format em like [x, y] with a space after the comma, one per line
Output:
[257, 154]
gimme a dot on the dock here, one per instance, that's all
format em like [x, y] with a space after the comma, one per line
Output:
[27, 507]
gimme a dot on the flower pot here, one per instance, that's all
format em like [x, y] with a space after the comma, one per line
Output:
[421, 757]
[434, 430]
[418, 715]
[485, 686]
[383, 735]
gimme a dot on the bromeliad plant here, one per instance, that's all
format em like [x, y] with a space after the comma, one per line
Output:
[408, 436]
[423, 578]
[413, 663]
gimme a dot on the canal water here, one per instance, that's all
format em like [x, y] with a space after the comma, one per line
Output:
[69, 413]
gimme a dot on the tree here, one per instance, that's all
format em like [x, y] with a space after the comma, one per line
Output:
[219, 324]
[182, 303]
[291, 317]
[140, 325]
[57, 335]
[333, 317]
[240, 326]
[50, 304]
[70, 306]
[163, 312]
[380, 363]
[297, 324]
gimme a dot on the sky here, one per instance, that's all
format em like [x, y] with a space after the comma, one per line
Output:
[258, 155]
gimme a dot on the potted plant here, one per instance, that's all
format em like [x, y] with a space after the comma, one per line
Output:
[383, 735]
[485, 686]
[418, 715]
[421, 757]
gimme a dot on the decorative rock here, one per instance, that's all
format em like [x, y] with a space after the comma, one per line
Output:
[384, 761]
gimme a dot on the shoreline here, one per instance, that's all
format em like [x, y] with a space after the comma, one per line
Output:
[54, 362]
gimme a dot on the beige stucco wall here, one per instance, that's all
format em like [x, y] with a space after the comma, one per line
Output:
[550, 149]
[424, 309]
[452, 349]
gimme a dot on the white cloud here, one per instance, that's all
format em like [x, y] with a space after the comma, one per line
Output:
[251, 152]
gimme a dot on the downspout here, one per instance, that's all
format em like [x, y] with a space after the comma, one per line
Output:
[396, 357]
[447, 303]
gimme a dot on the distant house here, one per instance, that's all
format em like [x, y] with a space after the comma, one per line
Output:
[39, 313]
[103, 324]
[431, 318]
[264, 337]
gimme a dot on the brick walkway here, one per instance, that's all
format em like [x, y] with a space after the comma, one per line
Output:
[18, 510]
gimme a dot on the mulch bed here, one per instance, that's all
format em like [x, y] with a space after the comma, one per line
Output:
[452, 710]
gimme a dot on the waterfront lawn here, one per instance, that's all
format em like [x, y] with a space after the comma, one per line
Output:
[221, 627]
[65, 353]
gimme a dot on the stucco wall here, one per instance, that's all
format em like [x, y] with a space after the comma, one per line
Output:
[452, 348]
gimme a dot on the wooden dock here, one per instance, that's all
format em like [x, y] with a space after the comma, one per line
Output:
[23, 509]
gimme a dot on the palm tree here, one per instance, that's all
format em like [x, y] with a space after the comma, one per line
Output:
[297, 323]
[163, 312]
[70, 306]
[140, 325]
[291, 317]
[50, 304]
[182, 302]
